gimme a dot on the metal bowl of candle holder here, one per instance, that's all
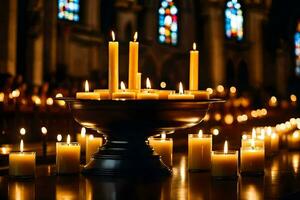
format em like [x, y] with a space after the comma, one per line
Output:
[127, 124]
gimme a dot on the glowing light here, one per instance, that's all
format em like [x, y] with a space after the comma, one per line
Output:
[228, 119]
[82, 132]
[220, 88]
[49, 101]
[58, 95]
[59, 137]
[163, 84]
[180, 88]
[200, 133]
[68, 10]
[113, 36]
[215, 132]
[244, 137]
[293, 98]
[91, 137]
[273, 101]
[234, 20]
[148, 83]
[21, 146]
[232, 90]
[22, 131]
[122, 85]
[15, 93]
[135, 36]
[194, 46]
[44, 130]
[163, 136]
[1, 96]
[210, 90]
[253, 133]
[68, 139]
[226, 147]
[218, 116]
[296, 134]
[86, 86]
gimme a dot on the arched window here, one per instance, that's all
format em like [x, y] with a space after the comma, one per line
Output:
[297, 49]
[68, 10]
[168, 22]
[234, 20]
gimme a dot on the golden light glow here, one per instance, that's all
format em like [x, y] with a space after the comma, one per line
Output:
[215, 132]
[253, 133]
[1, 96]
[113, 36]
[296, 134]
[135, 37]
[91, 137]
[122, 85]
[49, 101]
[226, 147]
[293, 98]
[194, 46]
[210, 90]
[181, 88]
[274, 135]
[252, 143]
[148, 83]
[228, 119]
[163, 136]
[15, 93]
[218, 116]
[220, 88]
[200, 133]
[82, 132]
[44, 130]
[86, 86]
[22, 131]
[163, 84]
[206, 117]
[58, 95]
[273, 101]
[21, 146]
[4, 150]
[68, 139]
[59, 137]
[244, 137]
[232, 89]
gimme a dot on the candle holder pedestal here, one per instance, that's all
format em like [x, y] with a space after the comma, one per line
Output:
[127, 125]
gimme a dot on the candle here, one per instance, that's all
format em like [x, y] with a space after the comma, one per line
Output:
[139, 81]
[199, 151]
[81, 139]
[267, 142]
[294, 140]
[163, 94]
[224, 164]
[164, 147]
[67, 157]
[133, 63]
[274, 142]
[199, 94]
[194, 59]
[92, 145]
[181, 94]
[104, 93]
[22, 164]
[113, 65]
[252, 159]
[247, 140]
[123, 93]
[87, 94]
[148, 93]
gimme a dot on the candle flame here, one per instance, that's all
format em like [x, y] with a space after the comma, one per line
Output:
[180, 88]
[59, 137]
[22, 131]
[194, 46]
[274, 135]
[44, 130]
[244, 137]
[113, 36]
[148, 83]
[226, 147]
[135, 36]
[200, 133]
[253, 133]
[91, 137]
[68, 139]
[122, 85]
[86, 86]
[296, 134]
[21, 146]
[83, 132]
[163, 136]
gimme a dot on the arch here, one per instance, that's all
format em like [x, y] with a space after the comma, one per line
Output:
[234, 20]
[168, 22]
[230, 73]
[243, 75]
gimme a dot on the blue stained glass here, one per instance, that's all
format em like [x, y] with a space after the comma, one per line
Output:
[297, 49]
[68, 10]
[234, 20]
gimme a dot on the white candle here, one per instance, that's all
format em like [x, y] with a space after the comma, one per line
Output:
[123, 94]
[199, 151]
[87, 94]
[113, 65]
[224, 164]
[181, 94]
[164, 147]
[67, 157]
[22, 164]
[92, 146]
[81, 138]
[148, 93]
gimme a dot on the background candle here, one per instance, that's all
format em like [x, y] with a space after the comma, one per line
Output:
[199, 151]
[113, 65]
[104, 93]
[81, 139]
[22, 164]
[123, 93]
[67, 157]
[224, 163]
[252, 159]
[92, 146]
[163, 94]
[294, 140]
[87, 94]
[181, 94]
[274, 142]
[133, 63]
[147, 93]
[194, 71]
[199, 94]
[164, 147]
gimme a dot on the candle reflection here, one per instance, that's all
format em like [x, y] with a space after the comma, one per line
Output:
[21, 190]
[252, 188]
[67, 188]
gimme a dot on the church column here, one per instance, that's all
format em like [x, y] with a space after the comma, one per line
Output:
[12, 37]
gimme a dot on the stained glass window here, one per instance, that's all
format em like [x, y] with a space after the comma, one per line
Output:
[297, 49]
[68, 10]
[234, 20]
[168, 22]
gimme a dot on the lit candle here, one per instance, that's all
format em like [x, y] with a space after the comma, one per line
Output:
[224, 164]
[274, 142]
[113, 65]
[181, 94]
[163, 94]
[87, 94]
[164, 147]
[22, 164]
[81, 139]
[123, 93]
[267, 142]
[194, 60]
[247, 140]
[104, 93]
[147, 93]
[133, 63]
[252, 159]
[92, 145]
[67, 157]
[199, 151]
[294, 140]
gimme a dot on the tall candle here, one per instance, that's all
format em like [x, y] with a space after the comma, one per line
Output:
[113, 65]
[294, 140]
[22, 164]
[67, 157]
[123, 93]
[148, 93]
[92, 145]
[199, 151]
[181, 94]
[87, 94]
[133, 63]
[194, 62]
[164, 147]
[224, 164]
[81, 138]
